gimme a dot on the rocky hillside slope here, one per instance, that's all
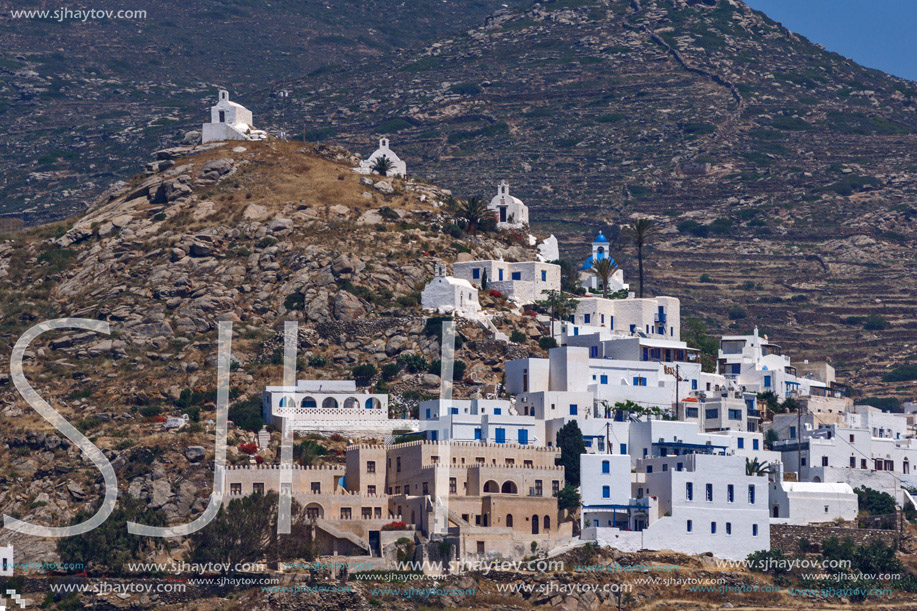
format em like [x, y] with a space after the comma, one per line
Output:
[782, 173]
[255, 234]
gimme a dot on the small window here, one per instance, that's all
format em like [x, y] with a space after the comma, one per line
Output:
[606, 492]
[728, 528]
[730, 493]
[235, 488]
[649, 468]
[754, 530]
[573, 409]
[712, 528]
[741, 442]
[710, 493]
[516, 275]
[751, 494]
[754, 444]
[606, 466]
[316, 487]
[690, 526]
[689, 491]
[824, 461]
[346, 513]
[475, 273]
[544, 276]
[371, 490]
[371, 466]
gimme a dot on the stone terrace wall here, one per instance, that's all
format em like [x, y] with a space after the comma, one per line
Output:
[786, 537]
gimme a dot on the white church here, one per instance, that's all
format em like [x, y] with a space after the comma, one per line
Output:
[399, 168]
[589, 280]
[229, 121]
[448, 295]
[511, 212]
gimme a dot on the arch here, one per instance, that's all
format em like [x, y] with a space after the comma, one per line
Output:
[816, 479]
[330, 403]
[287, 402]
[509, 520]
[535, 524]
[308, 402]
[373, 403]
[315, 511]
[351, 403]
[491, 486]
[509, 487]
[547, 523]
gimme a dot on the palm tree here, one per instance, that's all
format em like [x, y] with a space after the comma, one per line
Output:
[604, 269]
[558, 304]
[639, 232]
[753, 467]
[382, 165]
[471, 213]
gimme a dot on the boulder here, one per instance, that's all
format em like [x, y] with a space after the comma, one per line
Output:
[195, 453]
[383, 186]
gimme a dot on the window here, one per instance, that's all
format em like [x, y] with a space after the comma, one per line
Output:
[498, 411]
[346, 513]
[623, 448]
[426, 489]
[555, 487]
[649, 468]
[606, 492]
[754, 444]
[826, 509]
[712, 414]
[735, 414]
[606, 466]
[371, 466]
[428, 413]
[691, 412]
[398, 465]
[751, 494]
[767, 381]
[728, 528]
[693, 384]
[516, 276]
[709, 494]
[480, 547]
[730, 493]
[665, 467]
[740, 441]
[453, 410]
[476, 273]
[500, 275]
[862, 463]
[792, 432]
[397, 489]
[689, 491]
[539, 488]
[851, 438]
[452, 486]
[370, 490]
[824, 461]
[604, 379]
[754, 530]
[680, 466]
[527, 464]
[477, 434]
[593, 354]
[367, 513]
[639, 381]
[258, 488]
[523, 437]
[500, 435]
[573, 409]
[712, 528]
[235, 488]
[853, 462]
[544, 276]
[690, 526]
[587, 318]
[316, 487]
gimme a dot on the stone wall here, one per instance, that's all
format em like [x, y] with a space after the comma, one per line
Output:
[786, 537]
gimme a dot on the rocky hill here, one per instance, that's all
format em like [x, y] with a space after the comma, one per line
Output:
[255, 234]
[782, 175]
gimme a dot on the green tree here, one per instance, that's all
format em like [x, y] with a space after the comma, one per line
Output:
[604, 269]
[639, 232]
[247, 414]
[572, 447]
[558, 304]
[757, 468]
[770, 438]
[568, 498]
[363, 374]
[694, 333]
[245, 530]
[109, 546]
[471, 214]
[569, 275]
[874, 502]
[308, 451]
[382, 165]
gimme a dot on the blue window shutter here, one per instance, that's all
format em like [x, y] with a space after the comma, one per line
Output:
[477, 434]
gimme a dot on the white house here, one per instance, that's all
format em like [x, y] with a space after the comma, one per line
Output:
[6, 561]
[652, 317]
[328, 406]
[229, 121]
[479, 420]
[523, 282]
[509, 210]
[448, 295]
[753, 362]
[693, 503]
[399, 168]
[589, 280]
[811, 502]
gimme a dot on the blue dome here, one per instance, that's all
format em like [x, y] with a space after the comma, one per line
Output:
[600, 238]
[587, 264]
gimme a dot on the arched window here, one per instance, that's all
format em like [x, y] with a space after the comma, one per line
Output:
[491, 486]
[330, 403]
[509, 520]
[308, 402]
[351, 403]
[373, 403]
[547, 523]
[535, 524]
[509, 488]
[287, 402]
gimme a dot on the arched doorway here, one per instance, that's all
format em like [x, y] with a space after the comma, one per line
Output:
[535, 524]
[330, 403]
[547, 523]
[351, 403]
[509, 488]
[314, 511]
[509, 520]
[373, 403]
[308, 402]
[491, 486]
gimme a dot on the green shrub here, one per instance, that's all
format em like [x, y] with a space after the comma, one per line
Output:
[389, 371]
[694, 228]
[466, 89]
[317, 362]
[363, 374]
[905, 373]
[518, 337]
[247, 414]
[737, 313]
[413, 362]
[874, 322]
[295, 301]
[546, 343]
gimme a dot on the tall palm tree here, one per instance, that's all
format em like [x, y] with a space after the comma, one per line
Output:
[471, 213]
[558, 304]
[382, 165]
[639, 232]
[604, 269]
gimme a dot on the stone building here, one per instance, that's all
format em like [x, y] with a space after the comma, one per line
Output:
[229, 121]
[523, 282]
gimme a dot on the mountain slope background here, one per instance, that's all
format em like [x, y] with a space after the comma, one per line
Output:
[782, 175]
